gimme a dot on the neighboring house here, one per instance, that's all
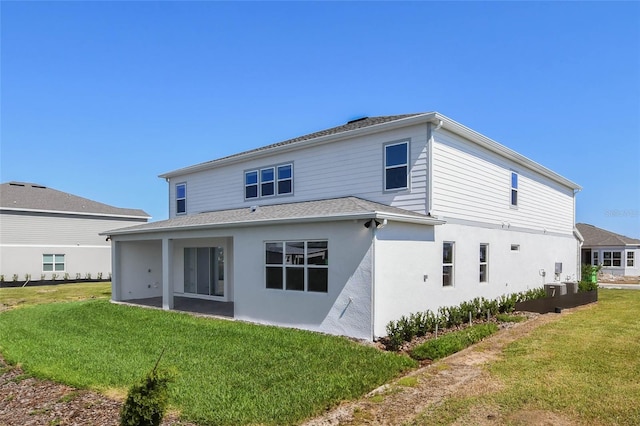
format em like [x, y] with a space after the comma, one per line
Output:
[45, 232]
[344, 230]
[618, 255]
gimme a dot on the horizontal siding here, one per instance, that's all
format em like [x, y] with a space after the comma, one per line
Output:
[346, 168]
[28, 229]
[471, 183]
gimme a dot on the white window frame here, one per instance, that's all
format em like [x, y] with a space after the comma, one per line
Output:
[595, 258]
[396, 166]
[631, 259]
[485, 263]
[514, 193]
[611, 259]
[275, 181]
[178, 199]
[305, 266]
[54, 262]
[449, 264]
[264, 182]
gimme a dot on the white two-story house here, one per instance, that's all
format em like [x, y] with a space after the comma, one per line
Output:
[343, 230]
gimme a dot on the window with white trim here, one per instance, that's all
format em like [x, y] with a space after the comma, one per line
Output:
[595, 261]
[484, 263]
[53, 263]
[181, 198]
[268, 181]
[612, 258]
[297, 265]
[447, 264]
[396, 166]
[631, 259]
[514, 189]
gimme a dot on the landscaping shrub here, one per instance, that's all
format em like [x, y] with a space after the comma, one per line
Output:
[510, 318]
[587, 286]
[147, 400]
[452, 342]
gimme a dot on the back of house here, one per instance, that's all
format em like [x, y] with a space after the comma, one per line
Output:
[345, 229]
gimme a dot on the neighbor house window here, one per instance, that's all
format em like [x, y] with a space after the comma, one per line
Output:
[396, 166]
[447, 264]
[595, 261]
[297, 266]
[611, 258]
[53, 262]
[514, 189]
[181, 198]
[269, 181]
[484, 262]
[631, 259]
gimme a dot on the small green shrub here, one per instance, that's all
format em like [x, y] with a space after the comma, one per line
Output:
[65, 276]
[147, 400]
[78, 275]
[99, 275]
[87, 276]
[452, 342]
[15, 277]
[27, 277]
[587, 286]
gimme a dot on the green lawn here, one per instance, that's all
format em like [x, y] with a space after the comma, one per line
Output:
[32, 295]
[227, 372]
[585, 368]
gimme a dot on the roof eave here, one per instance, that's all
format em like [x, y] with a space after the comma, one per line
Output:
[123, 216]
[280, 221]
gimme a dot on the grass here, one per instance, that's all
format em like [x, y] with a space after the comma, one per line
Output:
[584, 367]
[227, 372]
[33, 295]
[453, 342]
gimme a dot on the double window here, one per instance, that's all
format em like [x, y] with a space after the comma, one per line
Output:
[514, 189]
[297, 265]
[611, 258]
[181, 198]
[53, 262]
[484, 263]
[447, 264]
[269, 181]
[396, 166]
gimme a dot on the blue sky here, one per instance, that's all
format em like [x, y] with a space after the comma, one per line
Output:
[98, 98]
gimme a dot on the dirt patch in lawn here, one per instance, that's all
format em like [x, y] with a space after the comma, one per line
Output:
[27, 401]
[461, 374]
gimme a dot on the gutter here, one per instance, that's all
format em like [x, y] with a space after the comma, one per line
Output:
[61, 212]
[259, 222]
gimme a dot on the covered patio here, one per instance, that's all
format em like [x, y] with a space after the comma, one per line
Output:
[189, 304]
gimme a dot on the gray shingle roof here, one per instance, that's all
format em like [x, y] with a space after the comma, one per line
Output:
[31, 196]
[351, 125]
[330, 209]
[594, 236]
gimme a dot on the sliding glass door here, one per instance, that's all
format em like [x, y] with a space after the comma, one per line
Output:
[204, 271]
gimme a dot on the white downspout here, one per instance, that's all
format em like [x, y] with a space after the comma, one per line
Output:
[373, 282]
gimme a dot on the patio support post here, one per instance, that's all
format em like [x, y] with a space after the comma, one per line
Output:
[167, 273]
[116, 291]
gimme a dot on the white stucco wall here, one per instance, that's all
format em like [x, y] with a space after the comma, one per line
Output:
[344, 310]
[400, 285]
[140, 273]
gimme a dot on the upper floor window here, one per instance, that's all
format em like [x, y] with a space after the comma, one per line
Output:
[53, 262]
[396, 166]
[514, 189]
[181, 198]
[269, 181]
[631, 259]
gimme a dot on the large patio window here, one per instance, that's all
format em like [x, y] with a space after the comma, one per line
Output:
[204, 271]
[297, 265]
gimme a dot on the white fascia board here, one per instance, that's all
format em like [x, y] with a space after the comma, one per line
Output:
[282, 221]
[105, 215]
[251, 155]
[503, 151]
[578, 235]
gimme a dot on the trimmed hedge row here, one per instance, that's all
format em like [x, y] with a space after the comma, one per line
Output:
[420, 323]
